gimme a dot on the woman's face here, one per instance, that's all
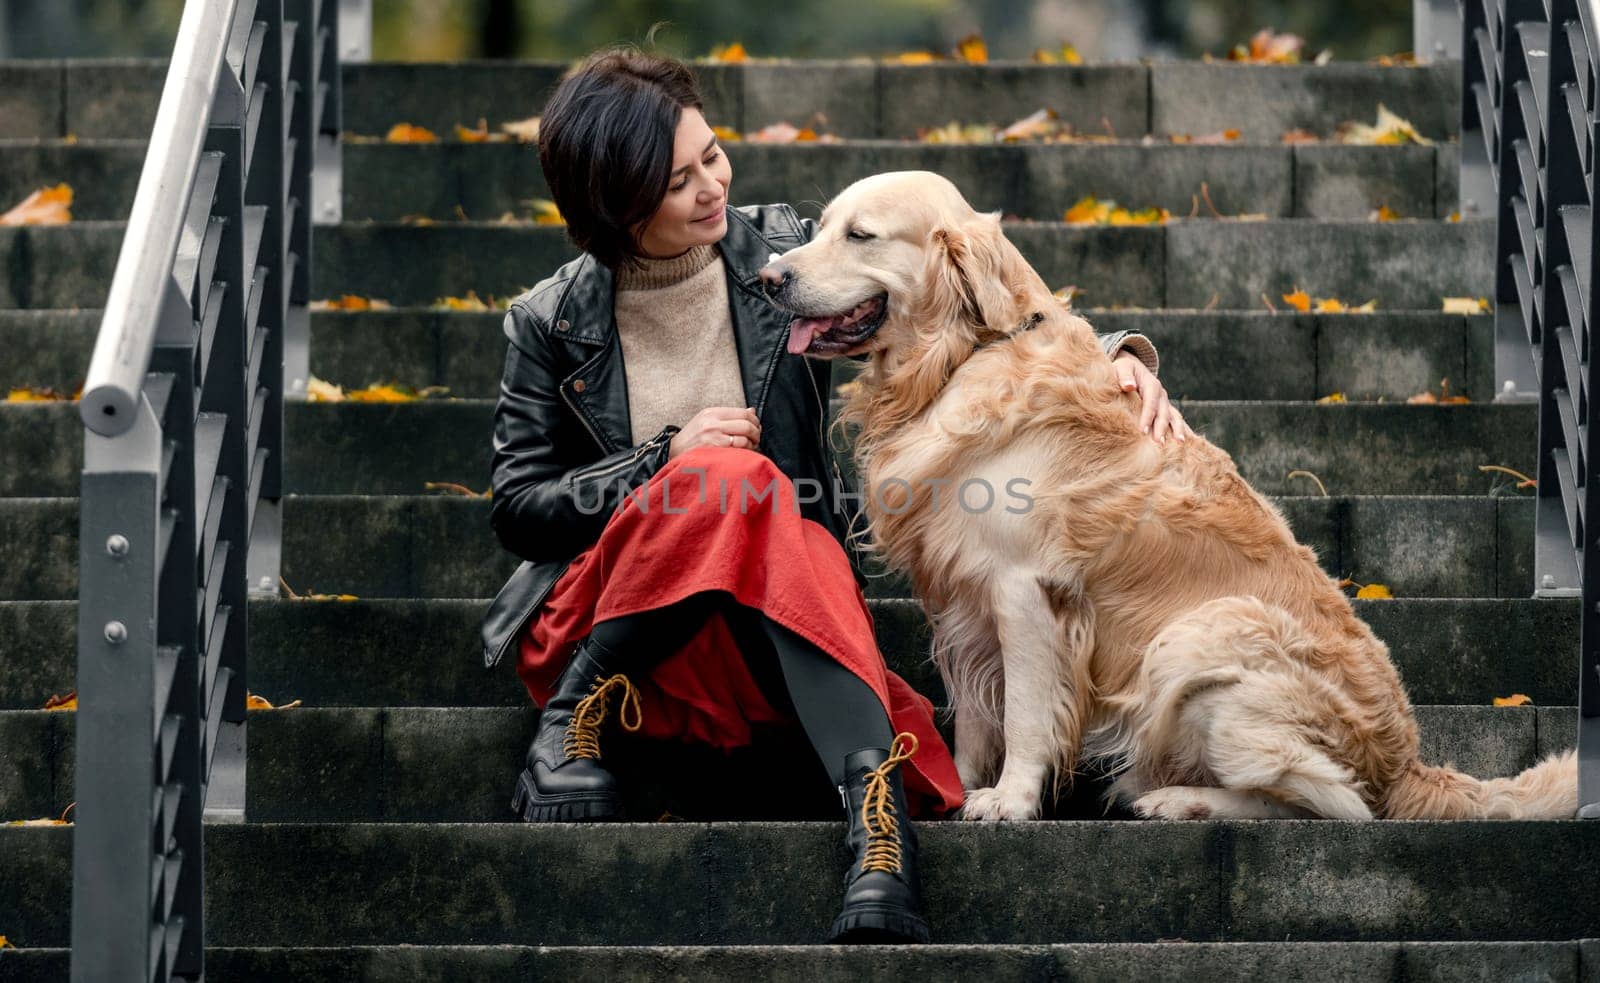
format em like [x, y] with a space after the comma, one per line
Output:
[691, 214]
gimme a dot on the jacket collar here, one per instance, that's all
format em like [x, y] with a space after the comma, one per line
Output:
[589, 309]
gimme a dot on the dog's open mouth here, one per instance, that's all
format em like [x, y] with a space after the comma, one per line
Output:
[839, 332]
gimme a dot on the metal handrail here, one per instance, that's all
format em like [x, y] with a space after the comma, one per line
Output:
[1531, 81]
[182, 475]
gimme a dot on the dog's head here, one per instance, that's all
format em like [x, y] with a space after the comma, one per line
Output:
[899, 260]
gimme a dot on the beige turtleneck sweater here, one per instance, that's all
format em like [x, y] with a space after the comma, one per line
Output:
[676, 330]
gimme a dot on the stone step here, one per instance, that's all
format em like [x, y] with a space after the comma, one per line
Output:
[442, 546]
[1404, 265]
[378, 653]
[1171, 961]
[389, 182]
[766, 883]
[396, 448]
[93, 98]
[1204, 355]
[459, 764]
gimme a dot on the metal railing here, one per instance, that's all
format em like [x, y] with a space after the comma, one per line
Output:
[1531, 72]
[183, 465]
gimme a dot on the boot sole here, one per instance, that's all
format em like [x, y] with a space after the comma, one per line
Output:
[886, 926]
[527, 804]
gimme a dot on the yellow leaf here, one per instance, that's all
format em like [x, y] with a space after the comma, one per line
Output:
[1332, 398]
[46, 206]
[915, 58]
[33, 394]
[406, 133]
[1454, 217]
[62, 821]
[67, 702]
[1327, 305]
[5, 943]
[525, 130]
[322, 391]
[254, 702]
[727, 134]
[1384, 214]
[1070, 55]
[1267, 47]
[1465, 305]
[731, 53]
[1374, 592]
[350, 302]
[1514, 700]
[392, 392]
[1389, 130]
[1299, 300]
[471, 302]
[481, 134]
[1088, 209]
[545, 212]
[972, 50]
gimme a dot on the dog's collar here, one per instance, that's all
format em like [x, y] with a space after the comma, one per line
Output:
[1028, 324]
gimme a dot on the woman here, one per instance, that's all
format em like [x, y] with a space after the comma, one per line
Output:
[691, 615]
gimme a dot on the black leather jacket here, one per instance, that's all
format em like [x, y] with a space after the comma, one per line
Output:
[562, 435]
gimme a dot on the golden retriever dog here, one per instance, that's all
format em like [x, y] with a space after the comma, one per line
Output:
[1097, 598]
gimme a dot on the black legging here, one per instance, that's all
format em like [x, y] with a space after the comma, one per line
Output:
[838, 711]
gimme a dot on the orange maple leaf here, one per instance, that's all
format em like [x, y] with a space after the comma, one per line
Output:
[407, 133]
[1514, 700]
[47, 206]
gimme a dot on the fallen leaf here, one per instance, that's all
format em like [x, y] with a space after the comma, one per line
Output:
[1383, 214]
[525, 130]
[392, 392]
[1403, 59]
[1299, 300]
[313, 597]
[915, 58]
[1307, 474]
[1389, 130]
[1454, 217]
[963, 133]
[322, 391]
[1035, 126]
[1444, 397]
[62, 821]
[727, 134]
[39, 394]
[1514, 700]
[254, 702]
[782, 133]
[1068, 55]
[67, 702]
[5, 943]
[453, 488]
[471, 302]
[1524, 482]
[1465, 305]
[1298, 135]
[1219, 137]
[350, 302]
[1374, 592]
[972, 50]
[1092, 211]
[406, 133]
[1267, 47]
[46, 206]
[481, 134]
[732, 54]
[1332, 398]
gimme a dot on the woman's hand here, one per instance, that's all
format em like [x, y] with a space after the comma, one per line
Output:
[717, 426]
[1158, 418]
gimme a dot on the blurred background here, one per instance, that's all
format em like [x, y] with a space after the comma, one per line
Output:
[442, 30]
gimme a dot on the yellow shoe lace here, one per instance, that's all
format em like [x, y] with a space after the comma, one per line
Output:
[582, 739]
[877, 809]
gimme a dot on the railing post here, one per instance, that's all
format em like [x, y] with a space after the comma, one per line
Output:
[1480, 101]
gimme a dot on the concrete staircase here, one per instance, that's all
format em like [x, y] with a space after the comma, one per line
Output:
[379, 844]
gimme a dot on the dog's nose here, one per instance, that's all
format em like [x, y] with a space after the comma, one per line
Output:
[774, 278]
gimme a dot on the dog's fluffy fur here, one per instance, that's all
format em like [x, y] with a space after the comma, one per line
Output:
[1150, 614]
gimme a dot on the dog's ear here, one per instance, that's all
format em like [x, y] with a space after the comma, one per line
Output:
[972, 274]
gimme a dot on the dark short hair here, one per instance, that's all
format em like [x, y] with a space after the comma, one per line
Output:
[605, 145]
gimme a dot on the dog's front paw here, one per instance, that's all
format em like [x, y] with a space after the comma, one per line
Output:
[993, 805]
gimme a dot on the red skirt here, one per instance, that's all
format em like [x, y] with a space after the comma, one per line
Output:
[707, 521]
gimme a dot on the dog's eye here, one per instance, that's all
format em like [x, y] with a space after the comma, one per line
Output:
[858, 235]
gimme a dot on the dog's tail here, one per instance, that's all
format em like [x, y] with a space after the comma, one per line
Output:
[1548, 790]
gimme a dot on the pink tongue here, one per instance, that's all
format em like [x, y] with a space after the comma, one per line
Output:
[800, 331]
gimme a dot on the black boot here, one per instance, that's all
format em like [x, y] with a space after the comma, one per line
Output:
[882, 893]
[563, 779]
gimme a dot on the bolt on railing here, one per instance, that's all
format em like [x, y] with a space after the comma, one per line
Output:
[1531, 72]
[183, 471]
